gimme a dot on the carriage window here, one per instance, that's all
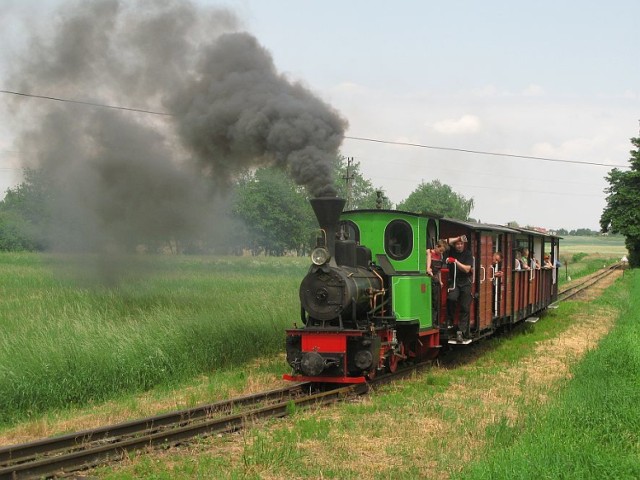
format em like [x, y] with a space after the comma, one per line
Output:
[398, 240]
[350, 231]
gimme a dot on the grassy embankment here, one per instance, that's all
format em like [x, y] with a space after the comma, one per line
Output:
[62, 346]
[471, 407]
[591, 430]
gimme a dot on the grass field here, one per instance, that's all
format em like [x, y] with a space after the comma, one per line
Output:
[607, 246]
[584, 255]
[591, 429]
[64, 346]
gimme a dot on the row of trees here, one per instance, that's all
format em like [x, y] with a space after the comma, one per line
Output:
[268, 212]
[271, 214]
[580, 232]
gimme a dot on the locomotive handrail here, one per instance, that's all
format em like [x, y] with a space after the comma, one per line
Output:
[493, 273]
[484, 274]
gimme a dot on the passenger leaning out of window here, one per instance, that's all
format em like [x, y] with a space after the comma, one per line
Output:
[497, 258]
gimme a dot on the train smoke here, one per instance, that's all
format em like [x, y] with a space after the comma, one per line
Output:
[121, 178]
[240, 111]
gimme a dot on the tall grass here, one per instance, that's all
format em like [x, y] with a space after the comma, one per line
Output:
[62, 345]
[591, 430]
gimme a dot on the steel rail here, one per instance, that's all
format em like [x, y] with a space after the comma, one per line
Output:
[593, 279]
[89, 448]
[14, 455]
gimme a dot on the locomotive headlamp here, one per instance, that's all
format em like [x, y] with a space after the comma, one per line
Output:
[320, 256]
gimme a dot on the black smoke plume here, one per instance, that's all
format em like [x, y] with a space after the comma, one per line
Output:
[120, 178]
[240, 111]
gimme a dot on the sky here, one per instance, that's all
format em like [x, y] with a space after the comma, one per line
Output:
[547, 79]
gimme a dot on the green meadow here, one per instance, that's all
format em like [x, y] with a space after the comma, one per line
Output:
[582, 256]
[68, 342]
[612, 245]
[64, 344]
[590, 429]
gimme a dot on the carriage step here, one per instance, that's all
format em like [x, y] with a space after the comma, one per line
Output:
[466, 341]
[532, 319]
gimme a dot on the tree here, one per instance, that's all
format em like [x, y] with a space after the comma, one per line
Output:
[436, 197]
[361, 193]
[622, 213]
[25, 215]
[276, 212]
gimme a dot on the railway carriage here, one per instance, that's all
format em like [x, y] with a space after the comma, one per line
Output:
[366, 302]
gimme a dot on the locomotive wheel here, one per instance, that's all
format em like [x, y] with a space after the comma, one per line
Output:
[394, 360]
[393, 363]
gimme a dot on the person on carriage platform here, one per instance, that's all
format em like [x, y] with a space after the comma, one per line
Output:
[460, 262]
[434, 265]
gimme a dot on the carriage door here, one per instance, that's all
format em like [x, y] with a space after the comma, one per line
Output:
[497, 281]
[486, 303]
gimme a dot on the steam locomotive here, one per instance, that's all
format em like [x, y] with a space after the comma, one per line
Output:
[366, 301]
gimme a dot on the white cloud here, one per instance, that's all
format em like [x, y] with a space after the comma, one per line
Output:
[533, 90]
[350, 88]
[464, 124]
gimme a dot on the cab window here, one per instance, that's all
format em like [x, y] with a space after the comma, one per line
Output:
[350, 231]
[398, 240]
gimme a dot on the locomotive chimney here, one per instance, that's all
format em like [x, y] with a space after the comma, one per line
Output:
[328, 210]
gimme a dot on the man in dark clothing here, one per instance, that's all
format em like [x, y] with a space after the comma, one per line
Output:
[460, 263]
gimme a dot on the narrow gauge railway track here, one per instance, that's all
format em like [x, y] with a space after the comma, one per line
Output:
[62, 455]
[71, 452]
[570, 292]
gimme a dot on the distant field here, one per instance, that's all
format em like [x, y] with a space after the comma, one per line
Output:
[593, 245]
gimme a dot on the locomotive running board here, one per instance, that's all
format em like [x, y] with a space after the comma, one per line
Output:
[532, 320]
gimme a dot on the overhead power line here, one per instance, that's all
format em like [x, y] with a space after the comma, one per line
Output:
[92, 104]
[481, 152]
[364, 139]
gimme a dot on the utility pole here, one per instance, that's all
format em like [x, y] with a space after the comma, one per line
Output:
[347, 178]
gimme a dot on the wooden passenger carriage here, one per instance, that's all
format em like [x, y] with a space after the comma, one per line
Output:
[512, 297]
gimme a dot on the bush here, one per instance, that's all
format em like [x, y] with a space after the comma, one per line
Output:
[578, 256]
